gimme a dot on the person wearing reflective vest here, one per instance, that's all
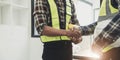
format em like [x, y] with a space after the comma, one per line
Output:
[52, 18]
[106, 31]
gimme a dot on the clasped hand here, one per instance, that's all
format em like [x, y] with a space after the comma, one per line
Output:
[75, 34]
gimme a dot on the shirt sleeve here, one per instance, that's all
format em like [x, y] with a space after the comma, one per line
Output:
[114, 3]
[89, 29]
[112, 30]
[74, 19]
[39, 15]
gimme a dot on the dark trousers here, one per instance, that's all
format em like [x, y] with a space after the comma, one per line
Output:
[58, 50]
[113, 54]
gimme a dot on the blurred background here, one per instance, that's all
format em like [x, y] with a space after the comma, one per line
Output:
[17, 41]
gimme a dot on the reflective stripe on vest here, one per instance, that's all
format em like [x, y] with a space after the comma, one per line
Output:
[68, 16]
[55, 21]
[107, 49]
[106, 10]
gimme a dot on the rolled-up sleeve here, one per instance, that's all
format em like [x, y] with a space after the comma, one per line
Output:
[39, 15]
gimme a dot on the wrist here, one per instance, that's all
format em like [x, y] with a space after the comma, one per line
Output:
[64, 33]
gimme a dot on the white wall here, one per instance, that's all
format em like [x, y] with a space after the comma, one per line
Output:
[13, 43]
[35, 45]
[36, 48]
[14, 38]
[84, 12]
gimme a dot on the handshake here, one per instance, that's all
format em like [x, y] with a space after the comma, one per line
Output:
[74, 33]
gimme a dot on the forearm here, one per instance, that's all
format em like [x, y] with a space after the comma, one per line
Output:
[89, 29]
[49, 31]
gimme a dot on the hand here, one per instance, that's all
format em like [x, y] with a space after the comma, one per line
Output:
[99, 44]
[75, 28]
[76, 41]
[73, 33]
[74, 36]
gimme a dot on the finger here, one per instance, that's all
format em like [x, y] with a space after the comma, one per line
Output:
[71, 29]
[77, 32]
[80, 39]
[72, 39]
[76, 41]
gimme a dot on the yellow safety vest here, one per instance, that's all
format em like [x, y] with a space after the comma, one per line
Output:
[107, 11]
[55, 21]
[107, 8]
